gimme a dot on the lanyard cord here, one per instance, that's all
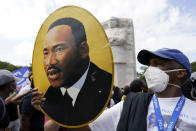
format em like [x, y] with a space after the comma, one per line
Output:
[173, 118]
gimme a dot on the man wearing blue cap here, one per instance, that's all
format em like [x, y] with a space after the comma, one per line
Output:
[168, 109]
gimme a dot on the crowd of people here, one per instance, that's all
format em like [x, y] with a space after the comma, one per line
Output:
[18, 114]
[164, 100]
[79, 90]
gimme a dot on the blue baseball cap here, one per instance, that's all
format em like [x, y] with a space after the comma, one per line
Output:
[166, 53]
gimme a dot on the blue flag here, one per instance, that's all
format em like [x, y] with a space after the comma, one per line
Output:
[22, 74]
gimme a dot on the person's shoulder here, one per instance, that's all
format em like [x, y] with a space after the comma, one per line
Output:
[189, 107]
[51, 91]
[2, 102]
[118, 106]
[108, 120]
[99, 70]
[52, 94]
[136, 95]
[190, 103]
[2, 107]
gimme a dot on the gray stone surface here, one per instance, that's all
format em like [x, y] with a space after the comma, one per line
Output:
[121, 36]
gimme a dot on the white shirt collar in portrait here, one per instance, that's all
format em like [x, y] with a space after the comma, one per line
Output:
[74, 90]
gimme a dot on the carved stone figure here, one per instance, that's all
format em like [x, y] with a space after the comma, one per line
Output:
[121, 36]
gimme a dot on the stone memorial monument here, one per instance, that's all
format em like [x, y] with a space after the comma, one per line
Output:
[120, 33]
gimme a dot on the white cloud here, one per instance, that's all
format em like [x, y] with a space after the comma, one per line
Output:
[21, 18]
[23, 52]
[19, 54]
[24, 48]
[169, 28]
[156, 23]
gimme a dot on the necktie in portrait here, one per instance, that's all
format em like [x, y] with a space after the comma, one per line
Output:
[68, 101]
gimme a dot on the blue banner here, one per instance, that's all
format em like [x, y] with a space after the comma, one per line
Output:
[22, 74]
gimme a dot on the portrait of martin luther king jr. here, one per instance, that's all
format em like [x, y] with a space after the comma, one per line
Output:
[78, 88]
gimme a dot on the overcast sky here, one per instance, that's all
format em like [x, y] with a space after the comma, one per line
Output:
[157, 23]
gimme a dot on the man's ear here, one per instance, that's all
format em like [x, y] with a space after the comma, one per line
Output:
[84, 49]
[182, 74]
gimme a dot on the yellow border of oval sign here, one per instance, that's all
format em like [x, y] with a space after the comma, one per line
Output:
[100, 50]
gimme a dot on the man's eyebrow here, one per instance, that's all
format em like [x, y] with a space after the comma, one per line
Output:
[54, 47]
[60, 44]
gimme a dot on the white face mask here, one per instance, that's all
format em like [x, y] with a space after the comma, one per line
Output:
[157, 80]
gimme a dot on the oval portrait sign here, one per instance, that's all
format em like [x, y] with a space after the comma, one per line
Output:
[73, 67]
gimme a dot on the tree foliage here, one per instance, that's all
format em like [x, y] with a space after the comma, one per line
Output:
[193, 66]
[8, 66]
[140, 75]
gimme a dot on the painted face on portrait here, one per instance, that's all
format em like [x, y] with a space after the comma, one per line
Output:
[60, 55]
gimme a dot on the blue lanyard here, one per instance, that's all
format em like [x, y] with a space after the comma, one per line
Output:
[4, 110]
[174, 117]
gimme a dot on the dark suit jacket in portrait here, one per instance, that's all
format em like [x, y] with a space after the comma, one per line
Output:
[89, 103]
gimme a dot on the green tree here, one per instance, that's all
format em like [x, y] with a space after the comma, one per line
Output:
[8, 66]
[193, 66]
[140, 75]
